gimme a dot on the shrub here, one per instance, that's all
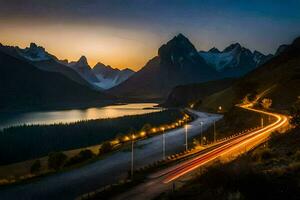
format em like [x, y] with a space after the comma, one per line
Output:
[82, 156]
[266, 103]
[297, 155]
[295, 112]
[56, 160]
[263, 154]
[105, 147]
[266, 154]
[35, 167]
[146, 127]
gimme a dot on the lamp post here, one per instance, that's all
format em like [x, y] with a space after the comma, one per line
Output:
[132, 142]
[201, 124]
[215, 133]
[164, 143]
[186, 140]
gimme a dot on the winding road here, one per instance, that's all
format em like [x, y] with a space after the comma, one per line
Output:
[162, 181]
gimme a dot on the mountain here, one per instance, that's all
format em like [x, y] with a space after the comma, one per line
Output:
[83, 68]
[177, 63]
[40, 58]
[24, 86]
[193, 94]
[280, 49]
[110, 77]
[278, 78]
[35, 53]
[234, 60]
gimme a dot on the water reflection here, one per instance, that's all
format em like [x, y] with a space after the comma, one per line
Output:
[66, 116]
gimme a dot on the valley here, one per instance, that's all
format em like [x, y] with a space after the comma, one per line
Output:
[154, 100]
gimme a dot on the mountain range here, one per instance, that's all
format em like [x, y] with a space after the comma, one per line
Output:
[178, 62]
[234, 60]
[24, 86]
[278, 79]
[78, 71]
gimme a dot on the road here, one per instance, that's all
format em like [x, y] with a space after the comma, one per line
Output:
[163, 180]
[70, 184]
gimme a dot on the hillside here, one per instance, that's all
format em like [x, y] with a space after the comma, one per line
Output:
[270, 171]
[193, 94]
[23, 86]
[280, 77]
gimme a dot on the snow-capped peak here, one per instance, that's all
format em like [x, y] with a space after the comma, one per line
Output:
[234, 58]
[110, 77]
[35, 53]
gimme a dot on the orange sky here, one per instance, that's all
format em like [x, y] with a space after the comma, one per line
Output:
[121, 48]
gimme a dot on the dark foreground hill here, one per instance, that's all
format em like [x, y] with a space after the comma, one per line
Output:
[23, 86]
[193, 94]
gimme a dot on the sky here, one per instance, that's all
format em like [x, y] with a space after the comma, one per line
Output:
[127, 33]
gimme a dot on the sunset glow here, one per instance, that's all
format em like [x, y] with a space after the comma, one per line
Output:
[128, 36]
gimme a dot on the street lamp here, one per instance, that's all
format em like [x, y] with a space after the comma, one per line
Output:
[201, 124]
[164, 143]
[215, 133]
[186, 140]
[132, 142]
[220, 108]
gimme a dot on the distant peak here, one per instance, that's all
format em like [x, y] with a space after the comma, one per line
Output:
[214, 50]
[181, 36]
[32, 45]
[83, 60]
[258, 53]
[128, 70]
[296, 42]
[233, 46]
[99, 64]
[177, 46]
[281, 49]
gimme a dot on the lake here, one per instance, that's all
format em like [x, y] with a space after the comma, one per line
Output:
[73, 115]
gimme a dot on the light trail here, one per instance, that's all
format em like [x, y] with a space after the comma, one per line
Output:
[252, 138]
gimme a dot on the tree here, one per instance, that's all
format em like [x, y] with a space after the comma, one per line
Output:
[82, 156]
[56, 160]
[105, 147]
[35, 167]
[147, 127]
[266, 103]
[295, 113]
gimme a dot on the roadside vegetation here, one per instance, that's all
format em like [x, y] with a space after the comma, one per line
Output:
[271, 171]
[57, 161]
[29, 142]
